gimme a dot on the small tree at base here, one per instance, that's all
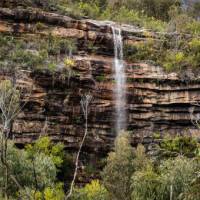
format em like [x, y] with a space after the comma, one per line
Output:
[119, 169]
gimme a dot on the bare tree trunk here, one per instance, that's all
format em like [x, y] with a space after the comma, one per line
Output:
[35, 177]
[85, 101]
[4, 160]
[10, 108]
[171, 192]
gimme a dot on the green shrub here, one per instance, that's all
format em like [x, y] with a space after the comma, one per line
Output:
[141, 161]
[69, 63]
[119, 168]
[171, 178]
[142, 51]
[52, 67]
[27, 170]
[180, 145]
[29, 59]
[176, 176]
[100, 78]
[49, 193]
[57, 46]
[174, 61]
[192, 192]
[145, 184]
[90, 9]
[40, 26]
[92, 191]
[126, 15]
[193, 27]
[67, 46]
[45, 145]
[54, 193]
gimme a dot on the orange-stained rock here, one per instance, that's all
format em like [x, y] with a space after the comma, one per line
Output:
[156, 101]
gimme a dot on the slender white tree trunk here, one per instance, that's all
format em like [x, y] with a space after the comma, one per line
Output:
[171, 192]
[85, 101]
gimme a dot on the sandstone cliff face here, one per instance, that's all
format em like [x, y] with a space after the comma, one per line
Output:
[156, 101]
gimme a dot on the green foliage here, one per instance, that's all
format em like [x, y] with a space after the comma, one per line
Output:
[171, 178]
[40, 26]
[152, 179]
[180, 145]
[158, 9]
[49, 193]
[125, 15]
[15, 54]
[152, 10]
[57, 46]
[144, 179]
[55, 193]
[52, 67]
[9, 102]
[176, 176]
[100, 78]
[90, 9]
[69, 63]
[174, 61]
[193, 27]
[157, 135]
[92, 191]
[35, 168]
[117, 173]
[141, 161]
[192, 192]
[174, 53]
[27, 171]
[145, 184]
[29, 59]
[34, 53]
[140, 51]
[45, 146]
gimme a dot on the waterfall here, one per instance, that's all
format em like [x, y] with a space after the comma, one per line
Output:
[120, 81]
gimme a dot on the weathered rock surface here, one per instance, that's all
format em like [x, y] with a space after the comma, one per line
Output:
[156, 101]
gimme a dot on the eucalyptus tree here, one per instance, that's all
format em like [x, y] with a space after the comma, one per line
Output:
[119, 169]
[85, 102]
[9, 107]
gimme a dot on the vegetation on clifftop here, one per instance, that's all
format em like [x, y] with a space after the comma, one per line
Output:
[177, 47]
[41, 53]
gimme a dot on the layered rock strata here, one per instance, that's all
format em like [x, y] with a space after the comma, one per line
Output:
[157, 102]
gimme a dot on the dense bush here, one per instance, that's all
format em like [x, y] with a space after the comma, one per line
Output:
[180, 145]
[35, 168]
[92, 191]
[36, 53]
[117, 173]
[153, 179]
[129, 173]
[171, 178]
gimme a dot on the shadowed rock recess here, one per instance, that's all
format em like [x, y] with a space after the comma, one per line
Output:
[156, 101]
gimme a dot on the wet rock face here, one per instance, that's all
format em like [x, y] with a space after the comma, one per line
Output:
[156, 101]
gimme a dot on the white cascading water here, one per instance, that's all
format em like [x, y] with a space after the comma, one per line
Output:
[120, 79]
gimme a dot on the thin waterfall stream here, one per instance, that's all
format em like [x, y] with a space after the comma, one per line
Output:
[120, 81]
